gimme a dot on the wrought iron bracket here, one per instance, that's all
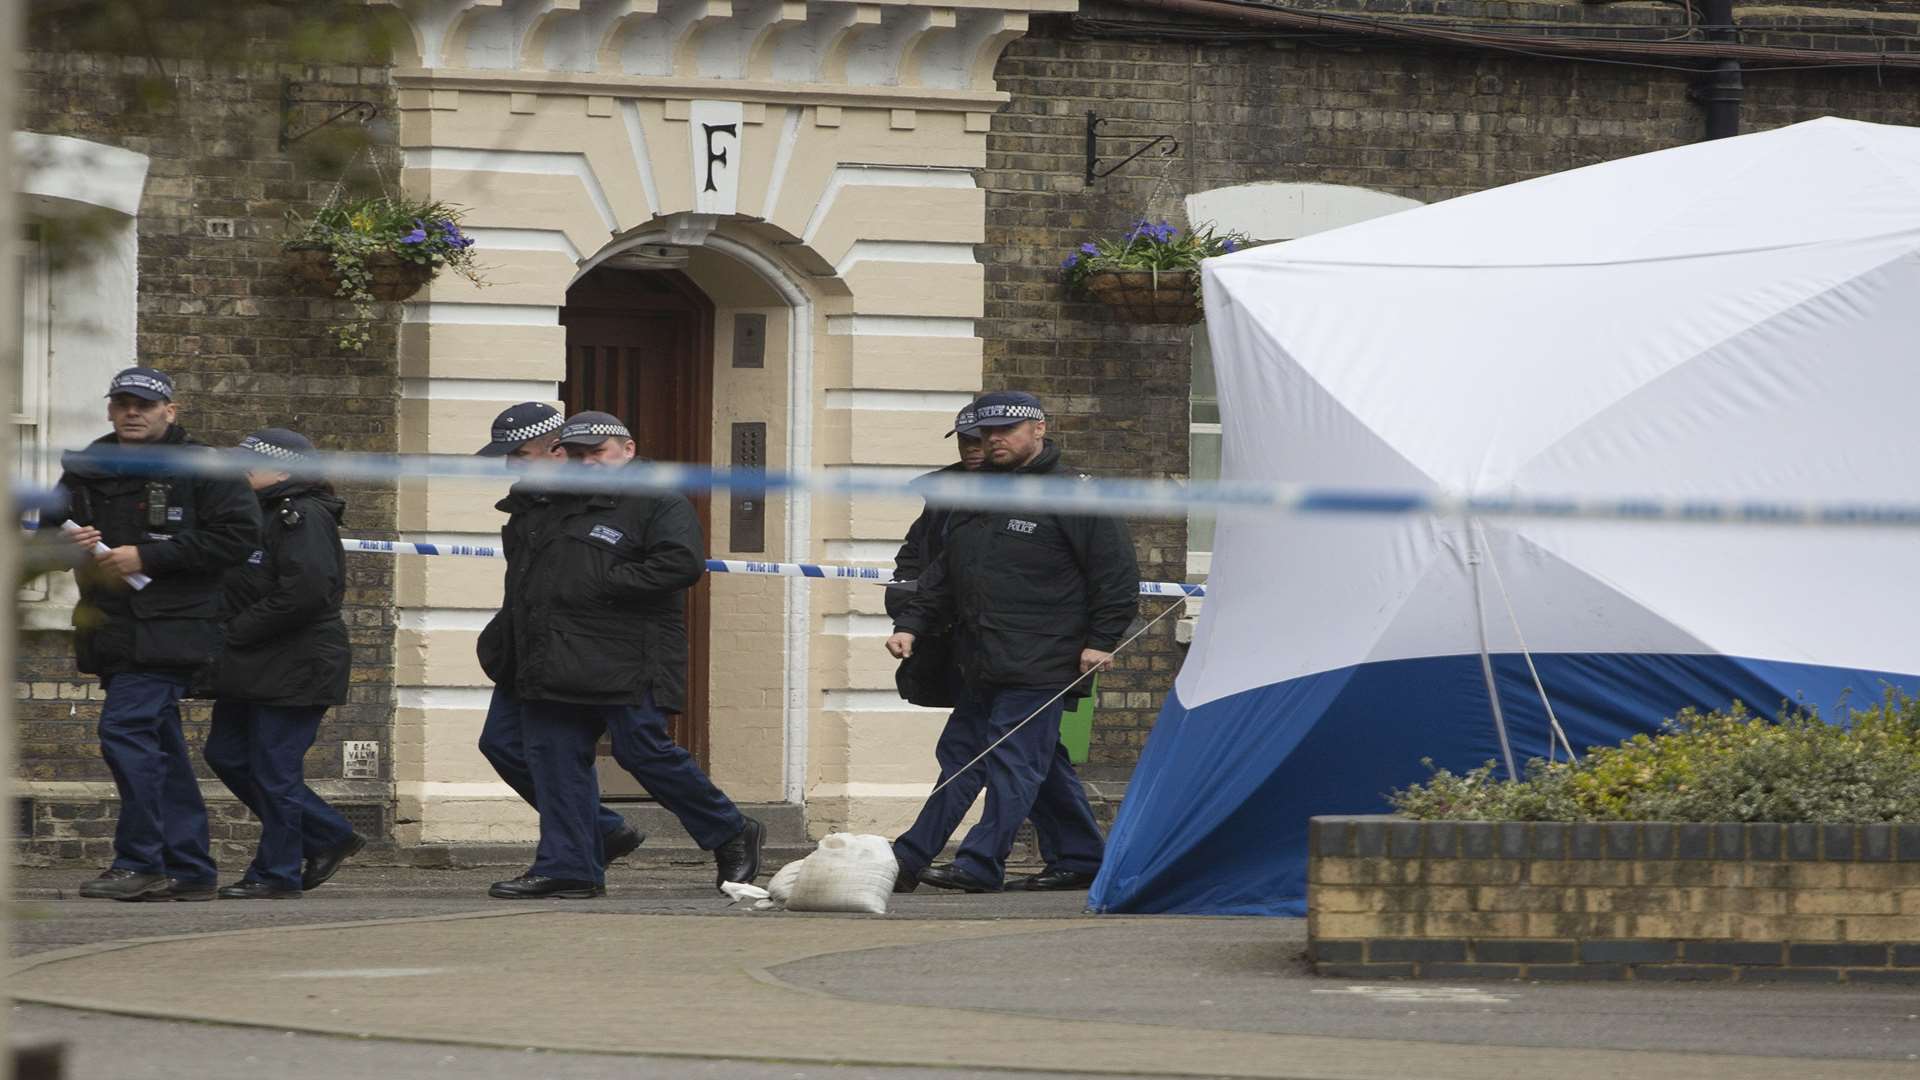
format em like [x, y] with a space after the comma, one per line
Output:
[362, 111]
[1094, 172]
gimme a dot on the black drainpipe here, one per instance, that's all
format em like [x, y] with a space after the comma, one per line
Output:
[1720, 90]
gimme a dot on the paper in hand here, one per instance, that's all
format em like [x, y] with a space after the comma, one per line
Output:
[138, 581]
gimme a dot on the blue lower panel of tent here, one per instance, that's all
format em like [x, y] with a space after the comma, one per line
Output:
[1215, 819]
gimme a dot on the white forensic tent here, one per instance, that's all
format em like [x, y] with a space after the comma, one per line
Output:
[1737, 319]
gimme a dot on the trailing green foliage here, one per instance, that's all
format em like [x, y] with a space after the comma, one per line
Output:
[1715, 766]
[1148, 247]
[354, 231]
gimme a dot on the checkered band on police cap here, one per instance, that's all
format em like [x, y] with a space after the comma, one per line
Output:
[279, 444]
[1000, 408]
[142, 382]
[1006, 413]
[592, 428]
[523, 424]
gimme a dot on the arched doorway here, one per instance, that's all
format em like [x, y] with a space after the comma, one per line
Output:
[640, 346]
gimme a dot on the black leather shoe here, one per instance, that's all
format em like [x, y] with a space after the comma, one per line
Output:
[123, 885]
[256, 890]
[948, 877]
[322, 867]
[183, 891]
[619, 845]
[905, 881]
[535, 887]
[1054, 881]
[739, 858]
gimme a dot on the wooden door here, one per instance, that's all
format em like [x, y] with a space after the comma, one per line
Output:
[640, 346]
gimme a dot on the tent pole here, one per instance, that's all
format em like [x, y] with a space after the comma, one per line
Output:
[1486, 657]
[1500, 582]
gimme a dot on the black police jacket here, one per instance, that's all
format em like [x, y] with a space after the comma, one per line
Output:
[1027, 591]
[929, 677]
[595, 609]
[285, 643]
[926, 538]
[189, 530]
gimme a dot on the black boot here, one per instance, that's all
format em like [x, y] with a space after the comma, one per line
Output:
[183, 891]
[739, 858]
[620, 844]
[256, 890]
[952, 877]
[123, 885]
[535, 887]
[323, 866]
[1054, 881]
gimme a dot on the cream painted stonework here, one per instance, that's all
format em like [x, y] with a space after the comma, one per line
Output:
[813, 163]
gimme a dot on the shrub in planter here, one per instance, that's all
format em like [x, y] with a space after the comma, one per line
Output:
[382, 248]
[1150, 275]
[1714, 766]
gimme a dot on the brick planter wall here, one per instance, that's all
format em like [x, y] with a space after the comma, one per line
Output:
[1447, 900]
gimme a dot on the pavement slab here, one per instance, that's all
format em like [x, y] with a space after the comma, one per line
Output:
[876, 993]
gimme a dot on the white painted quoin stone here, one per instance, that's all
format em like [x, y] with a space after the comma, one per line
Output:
[812, 163]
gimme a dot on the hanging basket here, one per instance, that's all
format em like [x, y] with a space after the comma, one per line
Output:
[394, 278]
[1146, 296]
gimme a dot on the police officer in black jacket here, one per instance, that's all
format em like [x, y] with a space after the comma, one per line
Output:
[931, 679]
[527, 436]
[1037, 600]
[595, 613]
[285, 660]
[181, 531]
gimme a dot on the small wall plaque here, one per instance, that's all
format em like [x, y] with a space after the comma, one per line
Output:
[749, 340]
[360, 760]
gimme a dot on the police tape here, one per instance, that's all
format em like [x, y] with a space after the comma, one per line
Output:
[1026, 491]
[724, 566]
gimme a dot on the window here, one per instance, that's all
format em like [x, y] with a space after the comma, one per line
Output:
[77, 314]
[28, 405]
[1203, 451]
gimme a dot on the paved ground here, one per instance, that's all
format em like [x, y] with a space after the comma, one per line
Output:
[662, 976]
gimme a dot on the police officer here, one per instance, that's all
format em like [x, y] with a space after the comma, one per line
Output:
[596, 642]
[285, 659]
[528, 436]
[929, 678]
[1037, 600]
[178, 532]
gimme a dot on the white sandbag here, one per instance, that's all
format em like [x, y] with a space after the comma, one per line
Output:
[848, 872]
[781, 886]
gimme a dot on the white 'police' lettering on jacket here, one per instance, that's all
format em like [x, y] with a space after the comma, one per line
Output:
[606, 534]
[1022, 526]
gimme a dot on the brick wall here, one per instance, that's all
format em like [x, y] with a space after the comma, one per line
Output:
[244, 347]
[1249, 107]
[1807, 903]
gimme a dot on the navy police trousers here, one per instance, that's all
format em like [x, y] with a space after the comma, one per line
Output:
[560, 740]
[1028, 776]
[259, 752]
[503, 742]
[163, 821]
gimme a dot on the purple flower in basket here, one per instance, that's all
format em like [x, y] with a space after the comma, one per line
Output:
[1228, 246]
[418, 235]
[1089, 249]
[455, 238]
[1071, 262]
